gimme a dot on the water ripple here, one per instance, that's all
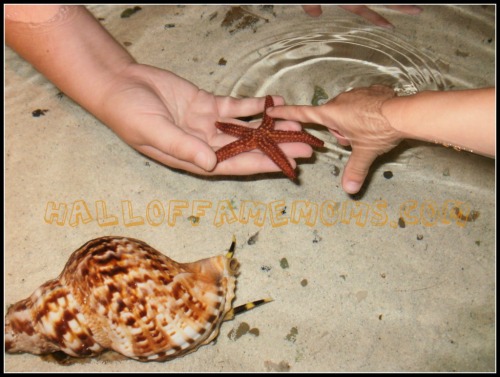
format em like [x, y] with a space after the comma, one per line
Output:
[341, 58]
[294, 63]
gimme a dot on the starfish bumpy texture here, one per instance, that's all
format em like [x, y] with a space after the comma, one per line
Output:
[265, 138]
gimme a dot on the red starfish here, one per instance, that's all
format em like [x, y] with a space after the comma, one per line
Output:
[265, 138]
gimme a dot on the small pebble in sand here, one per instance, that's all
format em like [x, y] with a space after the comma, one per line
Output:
[38, 112]
[401, 222]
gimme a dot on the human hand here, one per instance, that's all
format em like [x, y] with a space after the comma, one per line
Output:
[355, 119]
[172, 121]
[365, 12]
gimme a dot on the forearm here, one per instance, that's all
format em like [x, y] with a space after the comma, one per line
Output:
[462, 118]
[69, 47]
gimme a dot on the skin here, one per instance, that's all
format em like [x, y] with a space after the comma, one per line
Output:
[373, 121]
[153, 110]
[366, 13]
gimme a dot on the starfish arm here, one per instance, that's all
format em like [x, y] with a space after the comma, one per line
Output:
[267, 121]
[274, 152]
[234, 148]
[233, 129]
[295, 136]
[265, 138]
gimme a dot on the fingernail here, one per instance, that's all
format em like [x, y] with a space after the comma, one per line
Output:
[352, 187]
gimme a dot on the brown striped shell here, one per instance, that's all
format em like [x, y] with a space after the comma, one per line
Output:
[121, 294]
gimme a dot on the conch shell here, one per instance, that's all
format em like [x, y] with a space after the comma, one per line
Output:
[121, 294]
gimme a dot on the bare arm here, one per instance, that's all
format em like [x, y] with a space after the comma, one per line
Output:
[69, 47]
[461, 118]
[373, 121]
[155, 111]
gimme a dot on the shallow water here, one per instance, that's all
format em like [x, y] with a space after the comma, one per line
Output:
[336, 58]
[403, 278]
[324, 61]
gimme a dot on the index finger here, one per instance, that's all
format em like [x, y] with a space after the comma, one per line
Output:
[299, 113]
[231, 107]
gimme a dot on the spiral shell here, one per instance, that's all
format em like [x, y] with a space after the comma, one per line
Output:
[121, 294]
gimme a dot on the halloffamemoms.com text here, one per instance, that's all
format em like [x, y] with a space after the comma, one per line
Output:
[276, 213]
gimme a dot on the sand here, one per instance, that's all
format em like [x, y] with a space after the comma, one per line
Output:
[411, 290]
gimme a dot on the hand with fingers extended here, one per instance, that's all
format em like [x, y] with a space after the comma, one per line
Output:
[366, 13]
[355, 119]
[155, 111]
[373, 121]
[172, 121]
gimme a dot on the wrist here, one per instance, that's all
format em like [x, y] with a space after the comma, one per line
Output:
[393, 110]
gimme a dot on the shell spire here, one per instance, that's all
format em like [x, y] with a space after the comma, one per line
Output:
[121, 294]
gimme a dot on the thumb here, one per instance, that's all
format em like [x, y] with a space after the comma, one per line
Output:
[180, 146]
[191, 149]
[356, 169]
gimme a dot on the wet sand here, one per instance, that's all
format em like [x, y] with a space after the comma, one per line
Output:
[393, 281]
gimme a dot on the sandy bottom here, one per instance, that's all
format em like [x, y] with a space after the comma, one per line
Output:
[394, 280]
